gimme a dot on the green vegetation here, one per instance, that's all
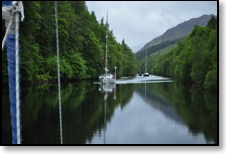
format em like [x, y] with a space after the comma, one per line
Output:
[82, 44]
[193, 60]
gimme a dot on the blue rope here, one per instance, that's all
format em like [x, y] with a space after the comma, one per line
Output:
[11, 53]
[7, 3]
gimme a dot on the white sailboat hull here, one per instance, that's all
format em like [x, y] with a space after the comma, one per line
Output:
[107, 79]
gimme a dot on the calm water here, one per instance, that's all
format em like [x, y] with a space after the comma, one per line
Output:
[146, 113]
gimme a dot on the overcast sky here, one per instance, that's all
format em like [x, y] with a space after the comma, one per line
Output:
[138, 22]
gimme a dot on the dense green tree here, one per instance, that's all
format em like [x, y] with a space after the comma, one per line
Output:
[212, 23]
[81, 40]
[31, 59]
[129, 64]
[193, 60]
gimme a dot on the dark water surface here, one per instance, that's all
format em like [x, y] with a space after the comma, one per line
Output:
[146, 113]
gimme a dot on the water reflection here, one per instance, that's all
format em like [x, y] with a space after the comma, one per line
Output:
[159, 103]
[60, 118]
[134, 113]
[106, 89]
[187, 106]
[112, 99]
[6, 120]
[11, 121]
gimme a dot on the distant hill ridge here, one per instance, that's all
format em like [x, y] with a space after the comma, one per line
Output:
[172, 35]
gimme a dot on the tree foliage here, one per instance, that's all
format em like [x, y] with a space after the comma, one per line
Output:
[193, 60]
[81, 41]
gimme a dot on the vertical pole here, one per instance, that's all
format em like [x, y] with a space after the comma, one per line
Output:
[106, 44]
[146, 63]
[17, 80]
[58, 73]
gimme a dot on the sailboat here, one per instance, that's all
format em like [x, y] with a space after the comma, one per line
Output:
[107, 77]
[146, 73]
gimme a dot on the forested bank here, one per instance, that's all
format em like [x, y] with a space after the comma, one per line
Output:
[82, 44]
[193, 60]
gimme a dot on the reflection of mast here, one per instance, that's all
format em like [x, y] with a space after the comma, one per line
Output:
[145, 91]
[106, 89]
[115, 97]
[105, 108]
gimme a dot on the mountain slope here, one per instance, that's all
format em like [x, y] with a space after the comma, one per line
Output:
[172, 36]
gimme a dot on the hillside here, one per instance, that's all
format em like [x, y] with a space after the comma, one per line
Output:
[172, 35]
[190, 61]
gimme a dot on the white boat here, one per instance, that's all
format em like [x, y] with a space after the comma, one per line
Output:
[146, 74]
[107, 77]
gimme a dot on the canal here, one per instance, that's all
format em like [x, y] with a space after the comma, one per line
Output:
[126, 113]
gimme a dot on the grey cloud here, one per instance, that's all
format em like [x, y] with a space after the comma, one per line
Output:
[140, 22]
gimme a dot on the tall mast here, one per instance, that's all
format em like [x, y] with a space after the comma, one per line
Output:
[106, 69]
[146, 63]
